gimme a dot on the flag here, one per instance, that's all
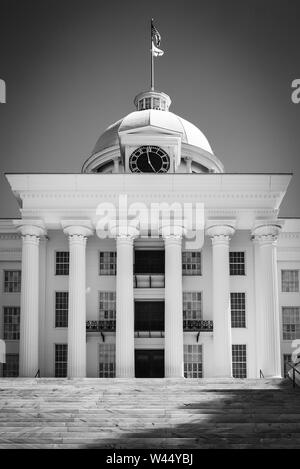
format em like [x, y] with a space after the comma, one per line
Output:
[156, 52]
[156, 37]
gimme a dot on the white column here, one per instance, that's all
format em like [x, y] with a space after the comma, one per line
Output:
[116, 165]
[77, 300]
[29, 317]
[267, 304]
[220, 235]
[173, 305]
[124, 308]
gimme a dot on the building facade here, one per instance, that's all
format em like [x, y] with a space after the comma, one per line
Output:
[86, 294]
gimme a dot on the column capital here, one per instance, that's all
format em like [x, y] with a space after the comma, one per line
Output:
[220, 233]
[30, 228]
[77, 228]
[266, 233]
[172, 232]
[123, 230]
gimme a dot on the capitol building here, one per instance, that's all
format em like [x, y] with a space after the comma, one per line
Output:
[84, 298]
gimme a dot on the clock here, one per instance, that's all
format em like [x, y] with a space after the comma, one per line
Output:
[149, 159]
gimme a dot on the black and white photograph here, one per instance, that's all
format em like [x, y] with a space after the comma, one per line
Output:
[149, 227]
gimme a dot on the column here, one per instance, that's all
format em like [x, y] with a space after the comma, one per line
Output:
[173, 304]
[29, 317]
[267, 304]
[220, 235]
[124, 308]
[77, 300]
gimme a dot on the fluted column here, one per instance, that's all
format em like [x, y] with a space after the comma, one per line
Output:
[29, 317]
[77, 300]
[267, 305]
[124, 308]
[220, 235]
[173, 304]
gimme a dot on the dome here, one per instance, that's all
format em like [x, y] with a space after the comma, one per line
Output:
[163, 121]
[153, 121]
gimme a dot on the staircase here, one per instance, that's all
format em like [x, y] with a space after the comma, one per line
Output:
[148, 413]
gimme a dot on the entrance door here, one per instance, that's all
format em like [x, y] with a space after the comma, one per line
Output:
[149, 364]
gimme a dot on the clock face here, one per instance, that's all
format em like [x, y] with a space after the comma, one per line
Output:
[149, 159]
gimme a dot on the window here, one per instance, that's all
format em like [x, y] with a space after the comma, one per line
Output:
[291, 323]
[287, 358]
[149, 261]
[237, 263]
[238, 309]
[239, 361]
[61, 308]
[192, 305]
[290, 280]
[191, 263]
[107, 360]
[61, 360]
[12, 281]
[11, 322]
[193, 361]
[156, 103]
[107, 305]
[147, 103]
[11, 367]
[62, 263]
[107, 264]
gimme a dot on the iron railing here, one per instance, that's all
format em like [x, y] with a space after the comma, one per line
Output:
[198, 325]
[295, 370]
[105, 325]
[109, 325]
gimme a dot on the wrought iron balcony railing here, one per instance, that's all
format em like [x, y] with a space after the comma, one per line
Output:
[109, 325]
[198, 325]
[105, 325]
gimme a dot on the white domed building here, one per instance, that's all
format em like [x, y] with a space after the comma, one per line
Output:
[106, 275]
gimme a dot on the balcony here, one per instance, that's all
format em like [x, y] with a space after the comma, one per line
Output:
[189, 325]
[105, 325]
[197, 325]
[149, 281]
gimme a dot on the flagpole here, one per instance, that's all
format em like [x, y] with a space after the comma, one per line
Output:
[152, 60]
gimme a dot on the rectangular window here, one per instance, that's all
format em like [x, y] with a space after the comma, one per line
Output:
[291, 322]
[191, 263]
[290, 280]
[192, 305]
[147, 103]
[11, 367]
[193, 361]
[12, 281]
[62, 259]
[11, 322]
[287, 358]
[238, 309]
[107, 305]
[239, 361]
[107, 263]
[61, 308]
[107, 360]
[61, 360]
[237, 263]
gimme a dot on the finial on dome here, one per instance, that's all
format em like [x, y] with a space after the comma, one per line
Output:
[152, 100]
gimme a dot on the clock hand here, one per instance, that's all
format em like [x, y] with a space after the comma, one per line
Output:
[150, 162]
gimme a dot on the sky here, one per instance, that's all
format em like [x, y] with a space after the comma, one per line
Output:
[73, 67]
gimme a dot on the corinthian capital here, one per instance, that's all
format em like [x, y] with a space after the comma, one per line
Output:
[266, 233]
